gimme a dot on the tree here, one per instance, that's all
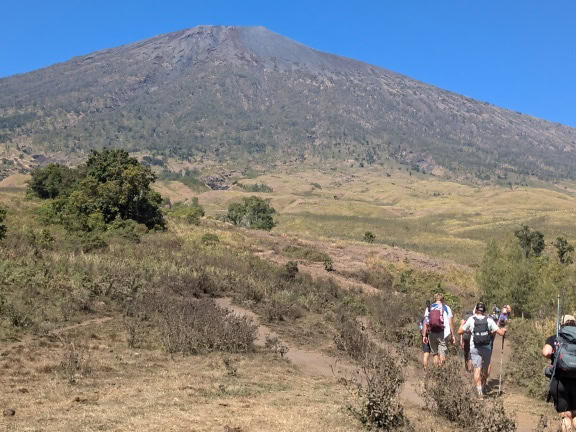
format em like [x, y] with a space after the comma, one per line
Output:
[531, 242]
[564, 249]
[3, 228]
[252, 212]
[52, 181]
[109, 186]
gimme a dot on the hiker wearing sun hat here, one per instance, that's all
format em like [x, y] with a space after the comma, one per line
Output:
[561, 350]
[481, 328]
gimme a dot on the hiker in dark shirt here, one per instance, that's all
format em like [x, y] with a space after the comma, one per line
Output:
[562, 388]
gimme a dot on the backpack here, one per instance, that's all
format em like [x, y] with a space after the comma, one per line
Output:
[481, 332]
[436, 319]
[566, 352]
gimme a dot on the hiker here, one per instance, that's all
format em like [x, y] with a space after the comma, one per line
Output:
[465, 342]
[481, 328]
[438, 327]
[425, 346]
[563, 379]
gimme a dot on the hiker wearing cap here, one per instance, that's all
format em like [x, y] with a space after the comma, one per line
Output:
[465, 342]
[562, 371]
[481, 329]
[438, 327]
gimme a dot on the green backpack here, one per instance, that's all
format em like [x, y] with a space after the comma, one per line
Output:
[565, 360]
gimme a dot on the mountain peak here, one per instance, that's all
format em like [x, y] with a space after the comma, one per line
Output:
[231, 92]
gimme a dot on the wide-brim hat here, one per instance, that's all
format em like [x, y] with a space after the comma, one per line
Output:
[567, 318]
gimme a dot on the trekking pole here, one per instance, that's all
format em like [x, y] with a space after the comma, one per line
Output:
[501, 366]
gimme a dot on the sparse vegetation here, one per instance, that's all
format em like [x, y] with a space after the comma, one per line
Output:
[452, 396]
[369, 237]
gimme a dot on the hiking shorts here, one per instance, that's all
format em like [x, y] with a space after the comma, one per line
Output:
[481, 357]
[437, 343]
[425, 347]
[563, 392]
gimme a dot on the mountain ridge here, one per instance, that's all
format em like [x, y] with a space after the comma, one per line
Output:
[228, 92]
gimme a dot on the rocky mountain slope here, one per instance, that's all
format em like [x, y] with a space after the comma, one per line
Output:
[230, 93]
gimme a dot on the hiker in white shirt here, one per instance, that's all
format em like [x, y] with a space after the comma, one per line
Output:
[438, 328]
[481, 328]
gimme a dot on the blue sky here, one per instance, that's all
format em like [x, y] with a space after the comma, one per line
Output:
[519, 54]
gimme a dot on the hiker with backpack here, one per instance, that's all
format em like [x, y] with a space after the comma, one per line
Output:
[561, 350]
[465, 342]
[481, 328]
[438, 327]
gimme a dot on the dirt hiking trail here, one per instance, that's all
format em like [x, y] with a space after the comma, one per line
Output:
[316, 363]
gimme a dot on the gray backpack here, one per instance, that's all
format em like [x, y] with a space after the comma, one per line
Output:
[565, 360]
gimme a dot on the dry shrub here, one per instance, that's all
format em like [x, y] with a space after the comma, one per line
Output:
[75, 363]
[377, 381]
[395, 316]
[452, 396]
[526, 362]
[200, 326]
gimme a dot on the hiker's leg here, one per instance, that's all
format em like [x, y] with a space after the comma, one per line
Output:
[477, 364]
[433, 342]
[425, 358]
[442, 350]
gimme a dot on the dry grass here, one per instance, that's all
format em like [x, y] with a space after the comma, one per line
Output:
[146, 390]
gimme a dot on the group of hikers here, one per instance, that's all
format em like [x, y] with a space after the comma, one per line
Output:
[476, 336]
[477, 332]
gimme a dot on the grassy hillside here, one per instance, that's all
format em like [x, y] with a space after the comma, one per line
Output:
[84, 340]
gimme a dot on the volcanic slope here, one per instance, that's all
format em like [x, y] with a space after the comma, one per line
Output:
[239, 93]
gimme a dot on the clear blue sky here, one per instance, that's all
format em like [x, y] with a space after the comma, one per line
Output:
[519, 54]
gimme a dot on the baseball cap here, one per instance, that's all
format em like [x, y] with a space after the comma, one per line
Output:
[480, 307]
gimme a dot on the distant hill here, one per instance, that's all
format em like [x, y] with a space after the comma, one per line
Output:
[236, 93]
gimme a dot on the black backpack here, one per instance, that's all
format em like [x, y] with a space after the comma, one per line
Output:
[481, 333]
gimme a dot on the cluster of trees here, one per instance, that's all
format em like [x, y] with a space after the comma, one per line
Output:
[252, 212]
[110, 189]
[518, 272]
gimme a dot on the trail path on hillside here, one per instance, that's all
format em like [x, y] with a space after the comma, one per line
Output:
[316, 363]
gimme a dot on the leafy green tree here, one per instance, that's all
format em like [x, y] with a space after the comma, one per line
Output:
[109, 186]
[3, 228]
[531, 242]
[52, 181]
[252, 212]
[564, 250]
[529, 284]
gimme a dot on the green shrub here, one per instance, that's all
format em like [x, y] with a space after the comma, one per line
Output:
[328, 264]
[291, 269]
[91, 242]
[369, 237]
[210, 239]
[252, 212]
[255, 187]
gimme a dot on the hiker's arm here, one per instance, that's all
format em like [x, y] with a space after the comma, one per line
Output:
[462, 322]
[452, 331]
[461, 330]
[501, 331]
[547, 351]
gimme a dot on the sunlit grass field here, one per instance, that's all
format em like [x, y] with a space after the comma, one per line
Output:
[418, 212]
